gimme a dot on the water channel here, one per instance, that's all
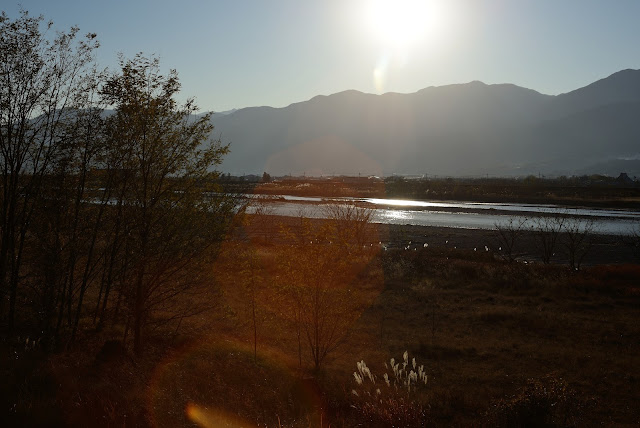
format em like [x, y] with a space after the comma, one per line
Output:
[457, 214]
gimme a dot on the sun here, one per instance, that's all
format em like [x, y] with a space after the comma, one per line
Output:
[398, 24]
[403, 32]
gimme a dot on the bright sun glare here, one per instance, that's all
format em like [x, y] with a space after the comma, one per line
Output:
[399, 23]
[402, 28]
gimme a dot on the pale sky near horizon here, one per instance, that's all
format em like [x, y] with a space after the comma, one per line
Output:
[242, 53]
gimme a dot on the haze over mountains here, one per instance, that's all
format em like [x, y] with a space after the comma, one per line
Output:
[454, 130]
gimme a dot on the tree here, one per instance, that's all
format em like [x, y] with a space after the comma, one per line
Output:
[351, 225]
[42, 85]
[507, 236]
[577, 239]
[175, 217]
[66, 238]
[321, 266]
[547, 230]
[632, 240]
[252, 279]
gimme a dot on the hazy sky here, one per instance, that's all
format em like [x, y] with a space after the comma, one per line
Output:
[241, 53]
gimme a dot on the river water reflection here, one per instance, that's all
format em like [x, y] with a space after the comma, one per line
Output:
[465, 215]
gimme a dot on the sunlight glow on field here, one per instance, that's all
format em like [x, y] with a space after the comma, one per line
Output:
[214, 418]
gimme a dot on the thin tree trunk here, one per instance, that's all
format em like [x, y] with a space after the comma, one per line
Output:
[138, 313]
[255, 327]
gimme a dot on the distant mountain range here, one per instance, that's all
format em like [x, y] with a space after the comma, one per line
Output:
[455, 130]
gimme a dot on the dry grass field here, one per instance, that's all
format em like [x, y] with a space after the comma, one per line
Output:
[501, 344]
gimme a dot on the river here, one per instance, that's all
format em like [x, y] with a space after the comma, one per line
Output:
[457, 214]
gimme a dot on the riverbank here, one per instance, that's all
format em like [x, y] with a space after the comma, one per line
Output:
[591, 191]
[603, 249]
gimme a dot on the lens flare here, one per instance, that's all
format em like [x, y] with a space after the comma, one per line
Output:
[380, 74]
[206, 418]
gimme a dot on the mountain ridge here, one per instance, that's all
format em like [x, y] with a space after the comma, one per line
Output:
[460, 129]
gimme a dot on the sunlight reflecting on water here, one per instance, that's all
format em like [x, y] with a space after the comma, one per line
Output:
[393, 215]
[401, 202]
[458, 214]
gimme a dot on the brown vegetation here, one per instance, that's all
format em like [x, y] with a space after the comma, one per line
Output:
[497, 340]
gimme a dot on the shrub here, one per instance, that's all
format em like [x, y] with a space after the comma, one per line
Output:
[546, 402]
[390, 400]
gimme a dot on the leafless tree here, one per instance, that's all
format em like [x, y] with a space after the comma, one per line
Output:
[547, 230]
[577, 239]
[507, 236]
[632, 240]
[351, 224]
[320, 273]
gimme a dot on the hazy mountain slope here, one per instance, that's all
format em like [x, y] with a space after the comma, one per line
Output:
[463, 129]
[567, 145]
[620, 87]
[595, 133]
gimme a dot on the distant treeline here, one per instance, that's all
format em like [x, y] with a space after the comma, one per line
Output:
[591, 190]
[595, 190]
